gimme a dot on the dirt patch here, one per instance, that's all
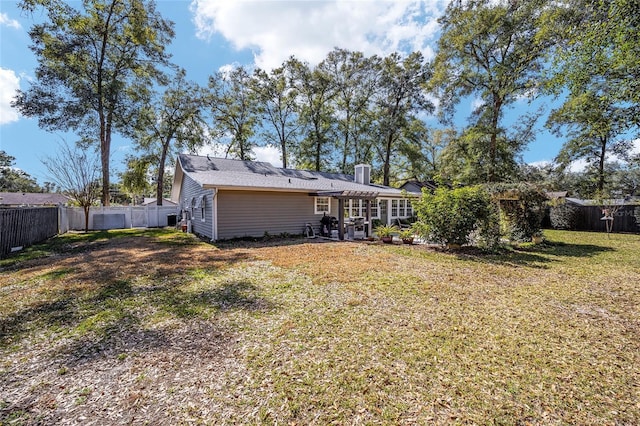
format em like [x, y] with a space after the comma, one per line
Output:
[338, 261]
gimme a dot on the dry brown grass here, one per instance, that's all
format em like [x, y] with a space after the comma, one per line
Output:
[155, 327]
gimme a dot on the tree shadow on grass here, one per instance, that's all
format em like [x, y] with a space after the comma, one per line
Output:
[100, 285]
[99, 300]
[116, 319]
[538, 256]
[128, 328]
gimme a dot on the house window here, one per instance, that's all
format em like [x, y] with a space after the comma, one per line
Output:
[394, 208]
[201, 202]
[322, 205]
[409, 208]
[374, 209]
[356, 208]
[401, 210]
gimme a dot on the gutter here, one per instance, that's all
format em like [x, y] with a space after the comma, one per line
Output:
[214, 214]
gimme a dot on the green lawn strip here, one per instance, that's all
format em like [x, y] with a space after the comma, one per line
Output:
[474, 347]
[541, 334]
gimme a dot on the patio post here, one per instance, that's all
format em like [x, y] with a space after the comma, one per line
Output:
[340, 219]
[367, 205]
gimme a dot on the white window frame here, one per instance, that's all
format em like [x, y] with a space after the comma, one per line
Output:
[402, 208]
[394, 207]
[355, 208]
[319, 207]
[202, 200]
[375, 209]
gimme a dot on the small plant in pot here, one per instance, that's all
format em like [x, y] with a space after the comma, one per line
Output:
[406, 235]
[385, 233]
[537, 237]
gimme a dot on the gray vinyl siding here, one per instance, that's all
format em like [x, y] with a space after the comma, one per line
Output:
[252, 213]
[192, 190]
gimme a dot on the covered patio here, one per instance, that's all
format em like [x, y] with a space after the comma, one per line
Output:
[367, 196]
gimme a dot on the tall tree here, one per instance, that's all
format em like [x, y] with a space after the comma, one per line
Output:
[76, 172]
[235, 113]
[400, 97]
[597, 63]
[594, 123]
[315, 92]
[277, 104]
[170, 119]
[135, 181]
[354, 79]
[87, 61]
[597, 38]
[491, 50]
[15, 180]
[421, 152]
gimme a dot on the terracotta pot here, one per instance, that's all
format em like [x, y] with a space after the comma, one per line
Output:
[407, 240]
[387, 240]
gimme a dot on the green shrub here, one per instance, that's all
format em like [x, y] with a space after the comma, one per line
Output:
[385, 230]
[521, 209]
[563, 216]
[457, 216]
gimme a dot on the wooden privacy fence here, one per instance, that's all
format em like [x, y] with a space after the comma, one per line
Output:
[22, 227]
[589, 218]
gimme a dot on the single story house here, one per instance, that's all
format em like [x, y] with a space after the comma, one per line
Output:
[225, 199]
[32, 199]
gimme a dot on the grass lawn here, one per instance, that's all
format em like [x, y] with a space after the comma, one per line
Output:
[156, 327]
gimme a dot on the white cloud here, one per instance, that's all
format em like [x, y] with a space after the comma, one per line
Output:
[269, 154]
[578, 166]
[541, 163]
[476, 103]
[635, 150]
[275, 30]
[11, 23]
[212, 149]
[9, 83]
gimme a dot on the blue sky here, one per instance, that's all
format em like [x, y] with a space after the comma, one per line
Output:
[211, 34]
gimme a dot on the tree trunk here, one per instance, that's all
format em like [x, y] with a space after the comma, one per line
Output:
[318, 148]
[387, 161]
[345, 148]
[163, 159]
[86, 218]
[283, 145]
[601, 160]
[493, 147]
[105, 148]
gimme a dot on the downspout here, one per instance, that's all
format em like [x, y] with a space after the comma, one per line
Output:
[214, 214]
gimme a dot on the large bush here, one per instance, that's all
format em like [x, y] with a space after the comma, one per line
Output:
[521, 209]
[563, 216]
[452, 216]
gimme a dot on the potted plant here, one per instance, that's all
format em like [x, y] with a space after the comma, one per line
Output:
[537, 237]
[385, 232]
[406, 235]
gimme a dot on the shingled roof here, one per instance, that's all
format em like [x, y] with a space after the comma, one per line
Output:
[237, 174]
[32, 199]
